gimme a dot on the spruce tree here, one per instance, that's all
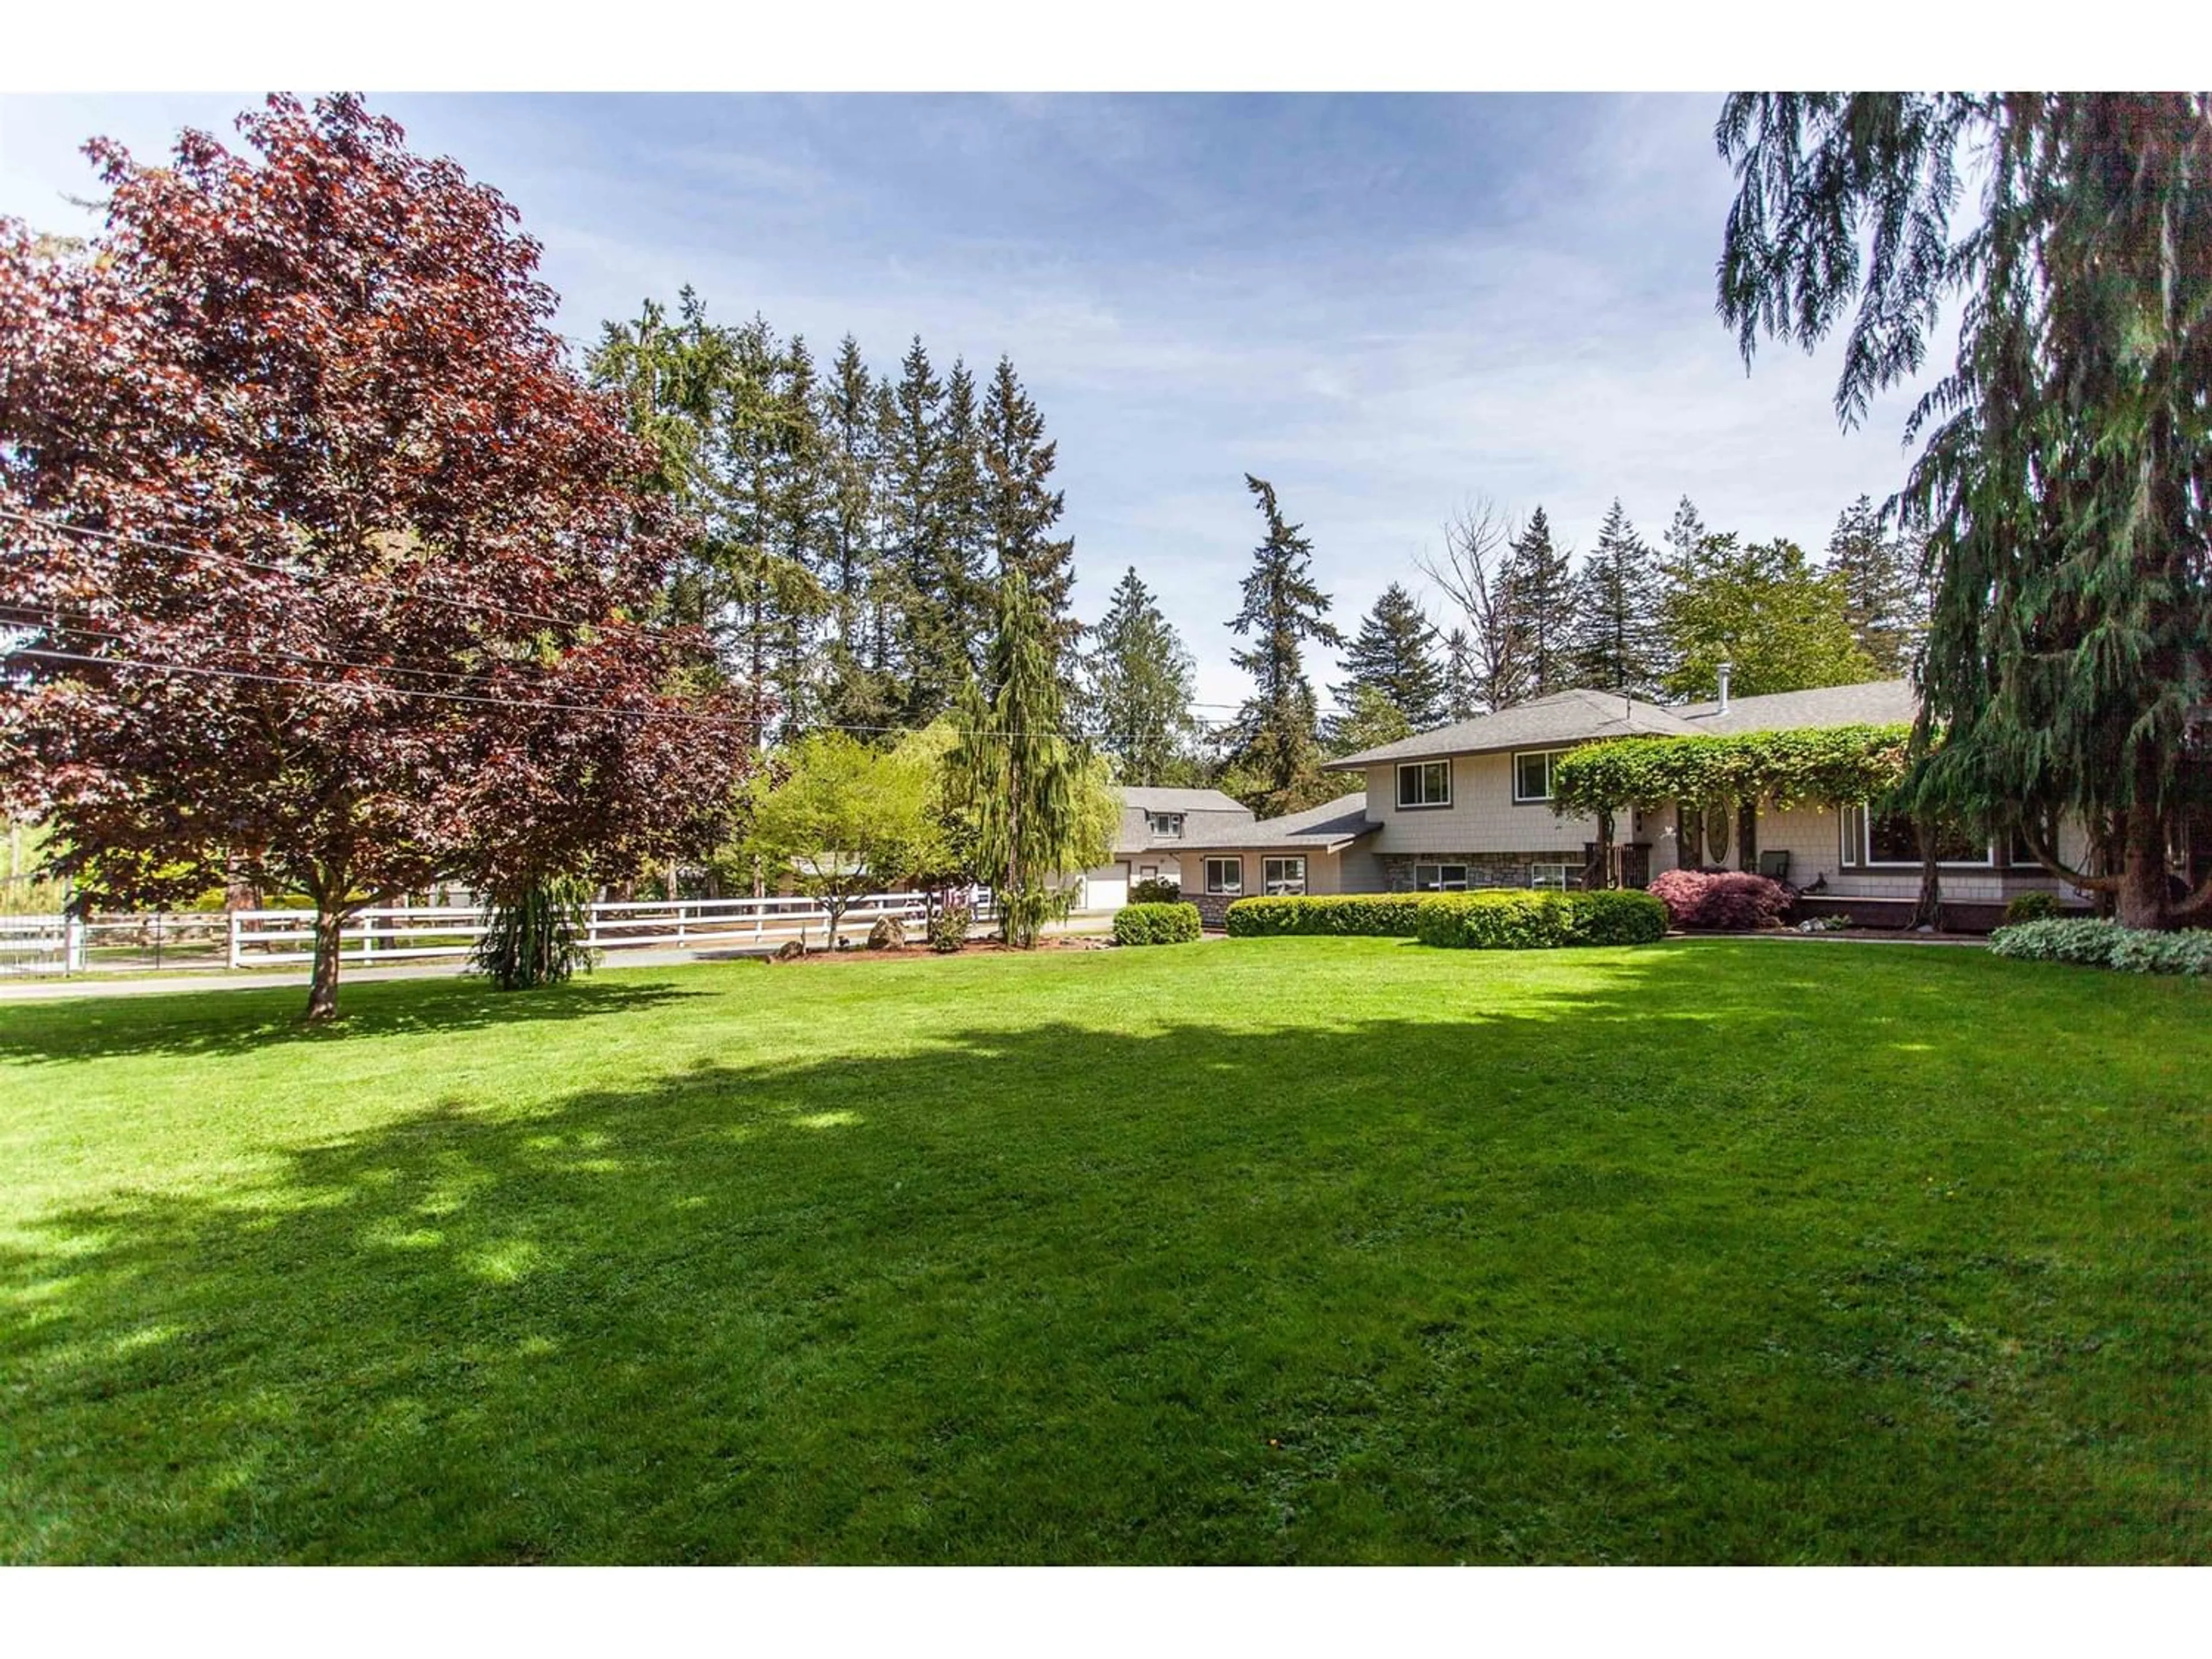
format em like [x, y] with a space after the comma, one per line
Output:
[1020, 506]
[1882, 586]
[1542, 586]
[1616, 645]
[1462, 687]
[853, 692]
[1277, 741]
[1394, 654]
[1138, 681]
[926, 612]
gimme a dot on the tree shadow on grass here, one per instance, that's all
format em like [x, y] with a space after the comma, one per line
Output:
[218, 1022]
[1617, 1278]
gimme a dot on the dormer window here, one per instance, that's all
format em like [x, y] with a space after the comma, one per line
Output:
[1166, 825]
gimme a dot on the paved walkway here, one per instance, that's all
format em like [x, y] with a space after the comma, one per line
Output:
[46, 988]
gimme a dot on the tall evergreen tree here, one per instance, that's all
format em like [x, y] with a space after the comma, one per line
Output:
[1139, 681]
[1394, 654]
[1462, 694]
[1881, 580]
[854, 691]
[925, 602]
[1617, 641]
[1368, 721]
[1020, 506]
[964, 575]
[1543, 588]
[1043, 805]
[2063, 486]
[1277, 742]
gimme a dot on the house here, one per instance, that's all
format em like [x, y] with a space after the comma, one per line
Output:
[1469, 806]
[1155, 824]
[1323, 850]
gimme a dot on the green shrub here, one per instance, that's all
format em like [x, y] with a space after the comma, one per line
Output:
[2088, 943]
[1618, 917]
[1156, 890]
[2031, 907]
[1497, 919]
[1156, 924]
[949, 923]
[1380, 915]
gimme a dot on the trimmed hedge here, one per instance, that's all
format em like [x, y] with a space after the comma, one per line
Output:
[1156, 890]
[1511, 919]
[1722, 901]
[1380, 915]
[2086, 942]
[1156, 924]
[1495, 919]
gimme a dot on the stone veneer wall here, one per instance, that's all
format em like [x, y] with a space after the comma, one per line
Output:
[1483, 869]
[1212, 908]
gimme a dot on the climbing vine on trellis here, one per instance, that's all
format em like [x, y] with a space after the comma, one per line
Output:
[1843, 764]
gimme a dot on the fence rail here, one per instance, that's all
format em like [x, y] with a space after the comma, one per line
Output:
[394, 933]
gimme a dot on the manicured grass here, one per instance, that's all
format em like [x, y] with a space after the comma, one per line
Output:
[1265, 1250]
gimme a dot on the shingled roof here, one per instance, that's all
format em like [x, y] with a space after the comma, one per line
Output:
[1873, 703]
[1565, 717]
[1325, 827]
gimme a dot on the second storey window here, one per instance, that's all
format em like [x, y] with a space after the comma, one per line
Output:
[1225, 875]
[1424, 783]
[1532, 774]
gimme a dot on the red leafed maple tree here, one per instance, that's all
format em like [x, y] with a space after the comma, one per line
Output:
[321, 570]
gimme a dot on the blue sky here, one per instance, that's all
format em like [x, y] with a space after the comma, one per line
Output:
[1385, 305]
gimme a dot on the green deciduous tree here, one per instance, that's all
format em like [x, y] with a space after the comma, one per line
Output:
[1394, 655]
[2066, 477]
[1764, 608]
[1043, 804]
[1137, 680]
[1277, 742]
[1371, 720]
[844, 818]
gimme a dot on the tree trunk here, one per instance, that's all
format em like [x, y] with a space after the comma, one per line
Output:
[323, 988]
[2141, 900]
[1605, 872]
[1927, 907]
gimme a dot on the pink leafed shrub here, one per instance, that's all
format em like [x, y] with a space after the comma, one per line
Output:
[1722, 901]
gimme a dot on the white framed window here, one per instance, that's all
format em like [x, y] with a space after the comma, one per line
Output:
[1532, 774]
[1148, 873]
[1887, 841]
[1440, 878]
[1225, 876]
[1552, 878]
[1166, 825]
[1282, 876]
[1424, 783]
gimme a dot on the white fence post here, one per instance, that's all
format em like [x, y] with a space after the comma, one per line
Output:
[237, 941]
[73, 951]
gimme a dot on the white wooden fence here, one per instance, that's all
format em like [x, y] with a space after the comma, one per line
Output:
[253, 938]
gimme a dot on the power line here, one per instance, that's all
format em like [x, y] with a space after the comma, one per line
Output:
[46, 522]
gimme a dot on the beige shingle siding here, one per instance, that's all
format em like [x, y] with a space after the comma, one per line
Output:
[1481, 818]
[1325, 872]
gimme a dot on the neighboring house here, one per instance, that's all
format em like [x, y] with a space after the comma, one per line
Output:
[1323, 850]
[1156, 825]
[1469, 806]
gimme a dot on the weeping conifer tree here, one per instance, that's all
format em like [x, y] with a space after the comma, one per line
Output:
[2066, 483]
[1041, 803]
[534, 934]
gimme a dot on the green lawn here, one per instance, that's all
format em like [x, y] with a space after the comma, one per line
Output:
[1268, 1250]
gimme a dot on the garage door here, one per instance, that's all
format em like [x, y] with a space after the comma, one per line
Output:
[1106, 889]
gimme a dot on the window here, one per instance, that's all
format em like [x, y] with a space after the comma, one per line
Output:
[1424, 783]
[1279, 875]
[1166, 824]
[1532, 774]
[1440, 878]
[1148, 873]
[1888, 838]
[1552, 877]
[1225, 875]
